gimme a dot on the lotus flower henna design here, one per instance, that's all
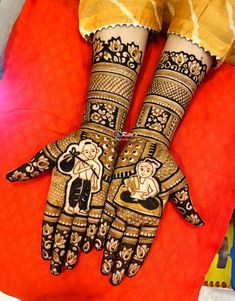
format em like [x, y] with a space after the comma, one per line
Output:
[141, 252]
[117, 277]
[75, 238]
[133, 269]
[59, 240]
[107, 266]
[112, 245]
[47, 230]
[126, 253]
[71, 258]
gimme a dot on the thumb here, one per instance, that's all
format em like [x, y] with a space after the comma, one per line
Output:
[183, 203]
[37, 165]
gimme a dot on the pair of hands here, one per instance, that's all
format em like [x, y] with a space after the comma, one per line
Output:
[95, 199]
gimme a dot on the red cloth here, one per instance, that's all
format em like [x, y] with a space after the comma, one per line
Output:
[41, 99]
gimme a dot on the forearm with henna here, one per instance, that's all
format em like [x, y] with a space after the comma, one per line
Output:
[74, 205]
[128, 222]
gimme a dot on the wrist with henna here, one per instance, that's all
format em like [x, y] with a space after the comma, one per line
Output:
[146, 176]
[82, 163]
[173, 85]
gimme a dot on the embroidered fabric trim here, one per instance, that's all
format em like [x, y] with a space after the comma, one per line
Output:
[88, 35]
[218, 59]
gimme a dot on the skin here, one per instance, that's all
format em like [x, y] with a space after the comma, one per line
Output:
[89, 151]
[145, 170]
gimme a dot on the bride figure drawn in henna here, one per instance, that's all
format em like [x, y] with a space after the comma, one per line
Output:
[81, 162]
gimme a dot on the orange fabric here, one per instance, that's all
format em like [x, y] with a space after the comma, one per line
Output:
[41, 99]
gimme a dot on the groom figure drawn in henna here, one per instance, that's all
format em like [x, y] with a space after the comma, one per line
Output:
[142, 188]
[81, 162]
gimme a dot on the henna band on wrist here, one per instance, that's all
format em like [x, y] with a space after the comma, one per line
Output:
[177, 76]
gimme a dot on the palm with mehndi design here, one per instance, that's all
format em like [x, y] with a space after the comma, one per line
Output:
[82, 163]
[145, 178]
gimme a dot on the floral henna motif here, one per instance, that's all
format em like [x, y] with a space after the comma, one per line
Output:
[33, 168]
[71, 259]
[105, 114]
[138, 259]
[59, 251]
[112, 245]
[113, 77]
[182, 201]
[141, 252]
[126, 253]
[116, 52]
[111, 248]
[183, 63]
[117, 277]
[174, 82]
[47, 240]
[133, 269]
[157, 119]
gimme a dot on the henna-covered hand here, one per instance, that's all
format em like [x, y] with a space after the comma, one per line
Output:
[145, 177]
[82, 165]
